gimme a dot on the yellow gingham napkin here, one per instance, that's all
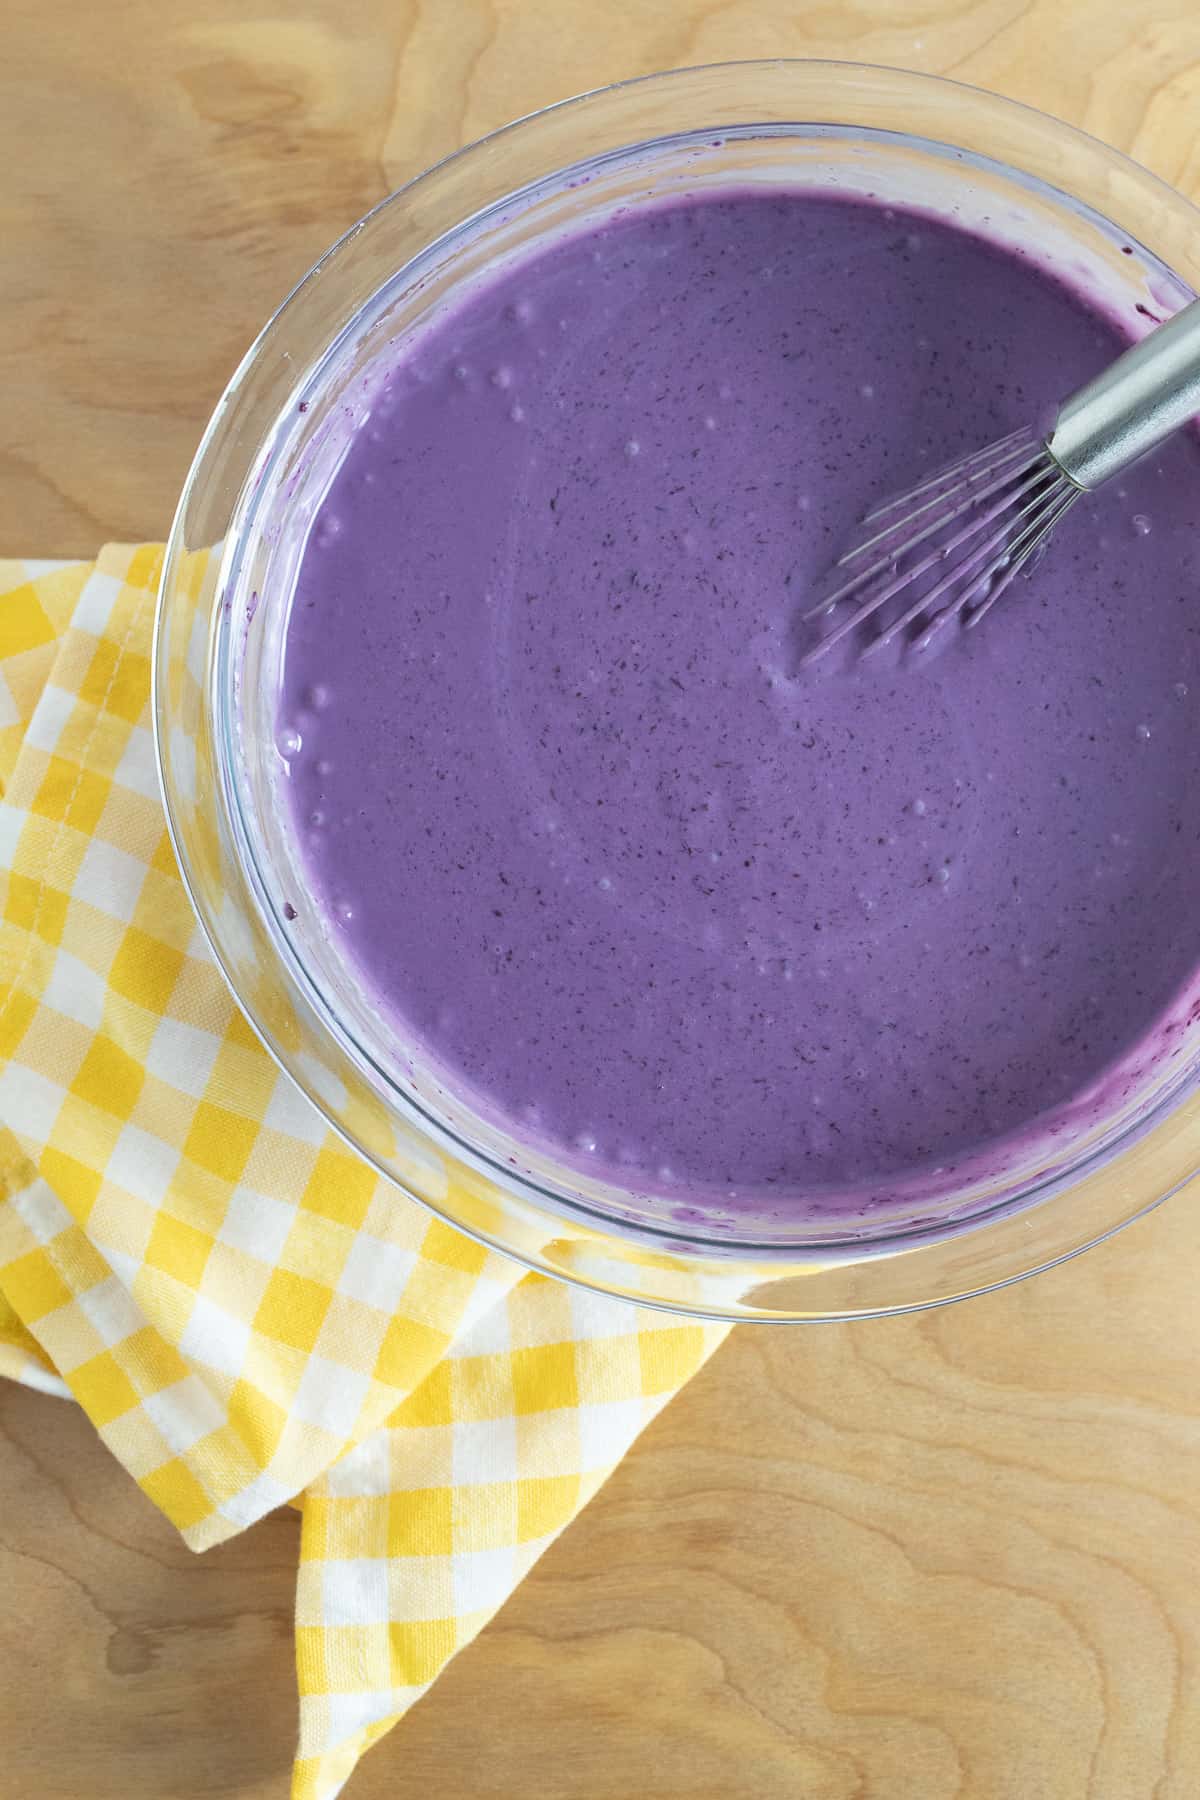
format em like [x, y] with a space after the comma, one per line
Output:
[247, 1313]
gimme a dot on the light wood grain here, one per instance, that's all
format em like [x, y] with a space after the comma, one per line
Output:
[952, 1556]
[170, 167]
[920, 1559]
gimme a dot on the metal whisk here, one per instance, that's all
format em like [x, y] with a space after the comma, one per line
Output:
[950, 546]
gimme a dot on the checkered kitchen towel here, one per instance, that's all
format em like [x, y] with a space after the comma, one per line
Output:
[246, 1312]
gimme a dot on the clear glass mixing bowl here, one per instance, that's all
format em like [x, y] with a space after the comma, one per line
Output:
[261, 470]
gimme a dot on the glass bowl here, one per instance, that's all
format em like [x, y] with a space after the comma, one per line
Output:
[266, 461]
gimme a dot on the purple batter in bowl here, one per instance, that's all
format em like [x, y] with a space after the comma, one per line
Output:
[518, 836]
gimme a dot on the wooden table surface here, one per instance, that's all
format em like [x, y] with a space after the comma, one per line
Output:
[957, 1555]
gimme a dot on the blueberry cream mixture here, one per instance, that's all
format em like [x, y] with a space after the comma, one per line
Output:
[651, 898]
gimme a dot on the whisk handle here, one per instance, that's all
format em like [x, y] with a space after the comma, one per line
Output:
[1146, 394]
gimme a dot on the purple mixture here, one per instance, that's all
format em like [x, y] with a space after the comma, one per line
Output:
[646, 897]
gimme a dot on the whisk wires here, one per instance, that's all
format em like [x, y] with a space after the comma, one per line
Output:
[949, 547]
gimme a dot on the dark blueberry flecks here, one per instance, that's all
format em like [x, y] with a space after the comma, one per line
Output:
[655, 901]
